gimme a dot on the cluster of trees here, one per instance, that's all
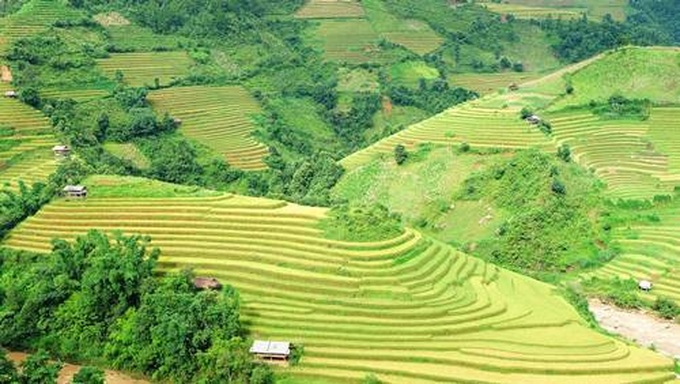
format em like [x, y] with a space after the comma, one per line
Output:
[97, 300]
[38, 369]
[620, 107]
[361, 223]
[545, 200]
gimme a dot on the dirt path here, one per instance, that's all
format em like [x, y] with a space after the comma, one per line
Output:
[639, 326]
[5, 74]
[69, 370]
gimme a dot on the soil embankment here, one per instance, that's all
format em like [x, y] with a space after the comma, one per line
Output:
[5, 74]
[69, 370]
[641, 327]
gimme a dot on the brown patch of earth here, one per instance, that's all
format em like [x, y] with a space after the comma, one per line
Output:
[69, 370]
[111, 19]
[5, 74]
[639, 326]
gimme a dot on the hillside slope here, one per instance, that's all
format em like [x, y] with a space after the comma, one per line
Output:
[409, 309]
[637, 159]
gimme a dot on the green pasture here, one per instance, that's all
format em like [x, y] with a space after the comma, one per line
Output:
[409, 73]
[130, 152]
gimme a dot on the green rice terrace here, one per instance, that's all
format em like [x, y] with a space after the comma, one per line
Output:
[144, 68]
[408, 308]
[218, 117]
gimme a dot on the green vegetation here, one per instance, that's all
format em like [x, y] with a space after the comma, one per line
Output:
[98, 301]
[338, 297]
[367, 223]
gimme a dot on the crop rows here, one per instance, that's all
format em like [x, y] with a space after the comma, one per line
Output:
[26, 151]
[79, 95]
[353, 41]
[34, 17]
[649, 252]
[410, 309]
[528, 12]
[478, 127]
[144, 68]
[218, 117]
[619, 151]
[328, 9]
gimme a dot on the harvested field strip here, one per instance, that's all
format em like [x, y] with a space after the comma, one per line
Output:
[218, 117]
[329, 9]
[475, 126]
[144, 68]
[457, 318]
[351, 41]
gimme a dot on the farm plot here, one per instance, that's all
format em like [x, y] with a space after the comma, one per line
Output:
[409, 309]
[352, 41]
[218, 117]
[476, 126]
[136, 38]
[649, 252]
[79, 95]
[595, 9]
[25, 143]
[34, 17]
[144, 68]
[329, 9]
[128, 151]
[620, 152]
[488, 83]
[528, 12]
[414, 35]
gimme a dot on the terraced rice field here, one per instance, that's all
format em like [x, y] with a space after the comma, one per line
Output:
[488, 83]
[143, 68]
[353, 41]
[595, 9]
[528, 12]
[34, 17]
[218, 117]
[650, 252]
[25, 152]
[477, 126]
[409, 309]
[130, 152]
[79, 95]
[329, 9]
[133, 37]
[620, 151]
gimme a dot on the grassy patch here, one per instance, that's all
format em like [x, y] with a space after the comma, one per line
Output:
[128, 151]
[409, 73]
[101, 186]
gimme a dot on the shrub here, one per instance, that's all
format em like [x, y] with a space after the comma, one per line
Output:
[400, 154]
[564, 153]
[464, 147]
[558, 187]
[666, 307]
[89, 375]
[525, 112]
[371, 379]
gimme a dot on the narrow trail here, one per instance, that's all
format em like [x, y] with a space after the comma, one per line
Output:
[69, 370]
[639, 326]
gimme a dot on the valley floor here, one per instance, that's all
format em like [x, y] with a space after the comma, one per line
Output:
[639, 326]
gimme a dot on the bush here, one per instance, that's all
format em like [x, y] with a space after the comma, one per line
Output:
[564, 153]
[371, 379]
[666, 307]
[361, 223]
[89, 375]
[400, 154]
[525, 112]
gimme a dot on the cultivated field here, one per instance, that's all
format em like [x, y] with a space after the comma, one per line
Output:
[624, 153]
[25, 143]
[477, 126]
[353, 41]
[528, 12]
[650, 252]
[329, 9]
[409, 309]
[595, 9]
[79, 95]
[414, 35]
[34, 17]
[218, 117]
[128, 151]
[489, 83]
[143, 68]
[136, 38]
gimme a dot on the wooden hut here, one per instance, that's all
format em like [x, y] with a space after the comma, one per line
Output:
[75, 191]
[61, 151]
[11, 94]
[513, 86]
[271, 350]
[207, 283]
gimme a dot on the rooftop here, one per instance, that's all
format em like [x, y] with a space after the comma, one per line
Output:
[75, 188]
[266, 347]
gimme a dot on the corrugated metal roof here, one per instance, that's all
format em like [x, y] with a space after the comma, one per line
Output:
[267, 347]
[75, 188]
